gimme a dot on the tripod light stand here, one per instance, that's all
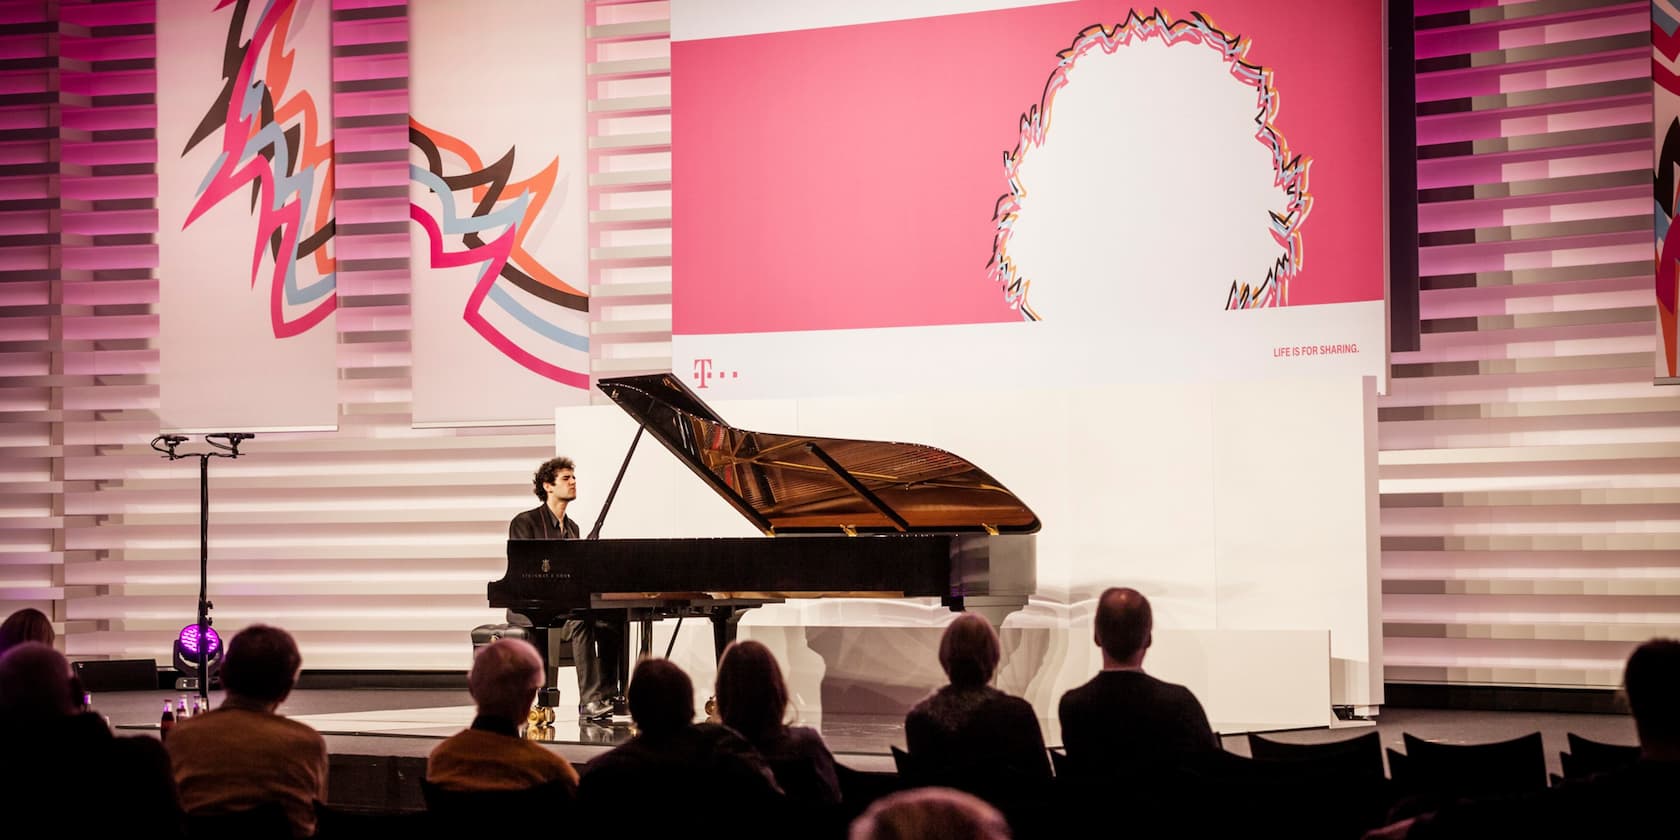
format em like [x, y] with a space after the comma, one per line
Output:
[197, 646]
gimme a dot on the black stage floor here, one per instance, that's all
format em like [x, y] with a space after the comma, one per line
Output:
[379, 738]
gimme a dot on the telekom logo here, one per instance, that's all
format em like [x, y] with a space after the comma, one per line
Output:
[705, 372]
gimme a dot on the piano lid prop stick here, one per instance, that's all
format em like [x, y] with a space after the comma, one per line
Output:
[595, 532]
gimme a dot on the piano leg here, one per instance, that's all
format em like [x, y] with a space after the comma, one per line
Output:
[545, 641]
[725, 622]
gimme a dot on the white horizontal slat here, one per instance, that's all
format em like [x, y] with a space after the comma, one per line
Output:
[1529, 471]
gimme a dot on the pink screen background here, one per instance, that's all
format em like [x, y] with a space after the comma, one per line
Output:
[845, 178]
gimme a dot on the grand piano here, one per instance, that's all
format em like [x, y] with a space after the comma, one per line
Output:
[840, 518]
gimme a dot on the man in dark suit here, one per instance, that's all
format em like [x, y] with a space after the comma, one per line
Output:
[1124, 720]
[596, 642]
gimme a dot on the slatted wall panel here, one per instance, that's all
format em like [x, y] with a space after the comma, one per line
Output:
[31, 555]
[629, 51]
[1530, 470]
[372, 543]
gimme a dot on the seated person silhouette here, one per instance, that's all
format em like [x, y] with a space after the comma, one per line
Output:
[674, 771]
[26, 625]
[597, 639]
[492, 754]
[1636, 801]
[967, 728]
[752, 699]
[243, 755]
[66, 768]
[1124, 721]
[929, 813]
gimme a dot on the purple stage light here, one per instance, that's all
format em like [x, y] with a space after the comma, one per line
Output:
[189, 640]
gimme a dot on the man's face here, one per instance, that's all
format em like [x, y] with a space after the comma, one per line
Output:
[564, 486]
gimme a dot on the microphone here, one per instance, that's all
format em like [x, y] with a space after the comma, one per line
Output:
[231, 436]
[175, 439]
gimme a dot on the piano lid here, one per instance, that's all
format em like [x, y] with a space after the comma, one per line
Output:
[797, 484]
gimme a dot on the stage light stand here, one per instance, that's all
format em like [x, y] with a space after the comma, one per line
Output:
[222, 445]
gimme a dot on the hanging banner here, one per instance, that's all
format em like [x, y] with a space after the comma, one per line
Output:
[245, 242]
[499, 196]
[1665, 77]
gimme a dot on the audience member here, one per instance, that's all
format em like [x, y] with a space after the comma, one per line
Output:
[686, 769]
[1633, 802]
[68, 768]
[1124, 720]
[930, 813]
[244, 755]
[26, 625]
[968, 727]
[492, 755]
[752, 699]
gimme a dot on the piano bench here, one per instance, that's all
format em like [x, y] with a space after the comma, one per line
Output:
[555, 653]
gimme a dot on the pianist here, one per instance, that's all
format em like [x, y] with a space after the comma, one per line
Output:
[595, 641]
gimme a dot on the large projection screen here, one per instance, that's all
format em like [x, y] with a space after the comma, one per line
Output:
[1123, 259]
[874, 196]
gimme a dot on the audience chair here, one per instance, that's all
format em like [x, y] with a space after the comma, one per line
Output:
[860, 788]
[1059, 762]
[1586, 757]
[1351, 758]
[337, 822]
[496, 812]
[264, 822]
[909, 773]
[1470, 770]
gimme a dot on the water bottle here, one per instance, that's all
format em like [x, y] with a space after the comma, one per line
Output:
[181, 712]
[168, 721]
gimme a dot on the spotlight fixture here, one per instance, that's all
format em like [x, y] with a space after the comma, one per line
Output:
[191, 649]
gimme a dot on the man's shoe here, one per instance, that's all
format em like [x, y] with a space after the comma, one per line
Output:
[595, 710]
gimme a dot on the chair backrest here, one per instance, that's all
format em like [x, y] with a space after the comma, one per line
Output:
[342, 822]
[1586, 757]
[860, 788]
[267, 821]
[1469, 770]
[1059, 762]
[908, 771]
[495, 811]
[1358, 758]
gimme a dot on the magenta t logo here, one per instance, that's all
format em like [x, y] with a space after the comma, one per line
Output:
[703, 370]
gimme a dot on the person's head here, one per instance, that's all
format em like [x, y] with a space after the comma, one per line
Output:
[1124, 626]
[1652, 682]
[969, 651]
[661, 697]
[929, 813]
[557, 476]
[504, 679]
[35, 683]
[751, 695]
[261, 664]
[26, 625]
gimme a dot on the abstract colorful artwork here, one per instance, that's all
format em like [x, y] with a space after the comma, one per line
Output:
[1665, 75]
[1268, 283]
[247, 234]
[517, 304]
[271, 142]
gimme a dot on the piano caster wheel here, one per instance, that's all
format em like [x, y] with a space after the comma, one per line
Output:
[711, 709]
[548, 715]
